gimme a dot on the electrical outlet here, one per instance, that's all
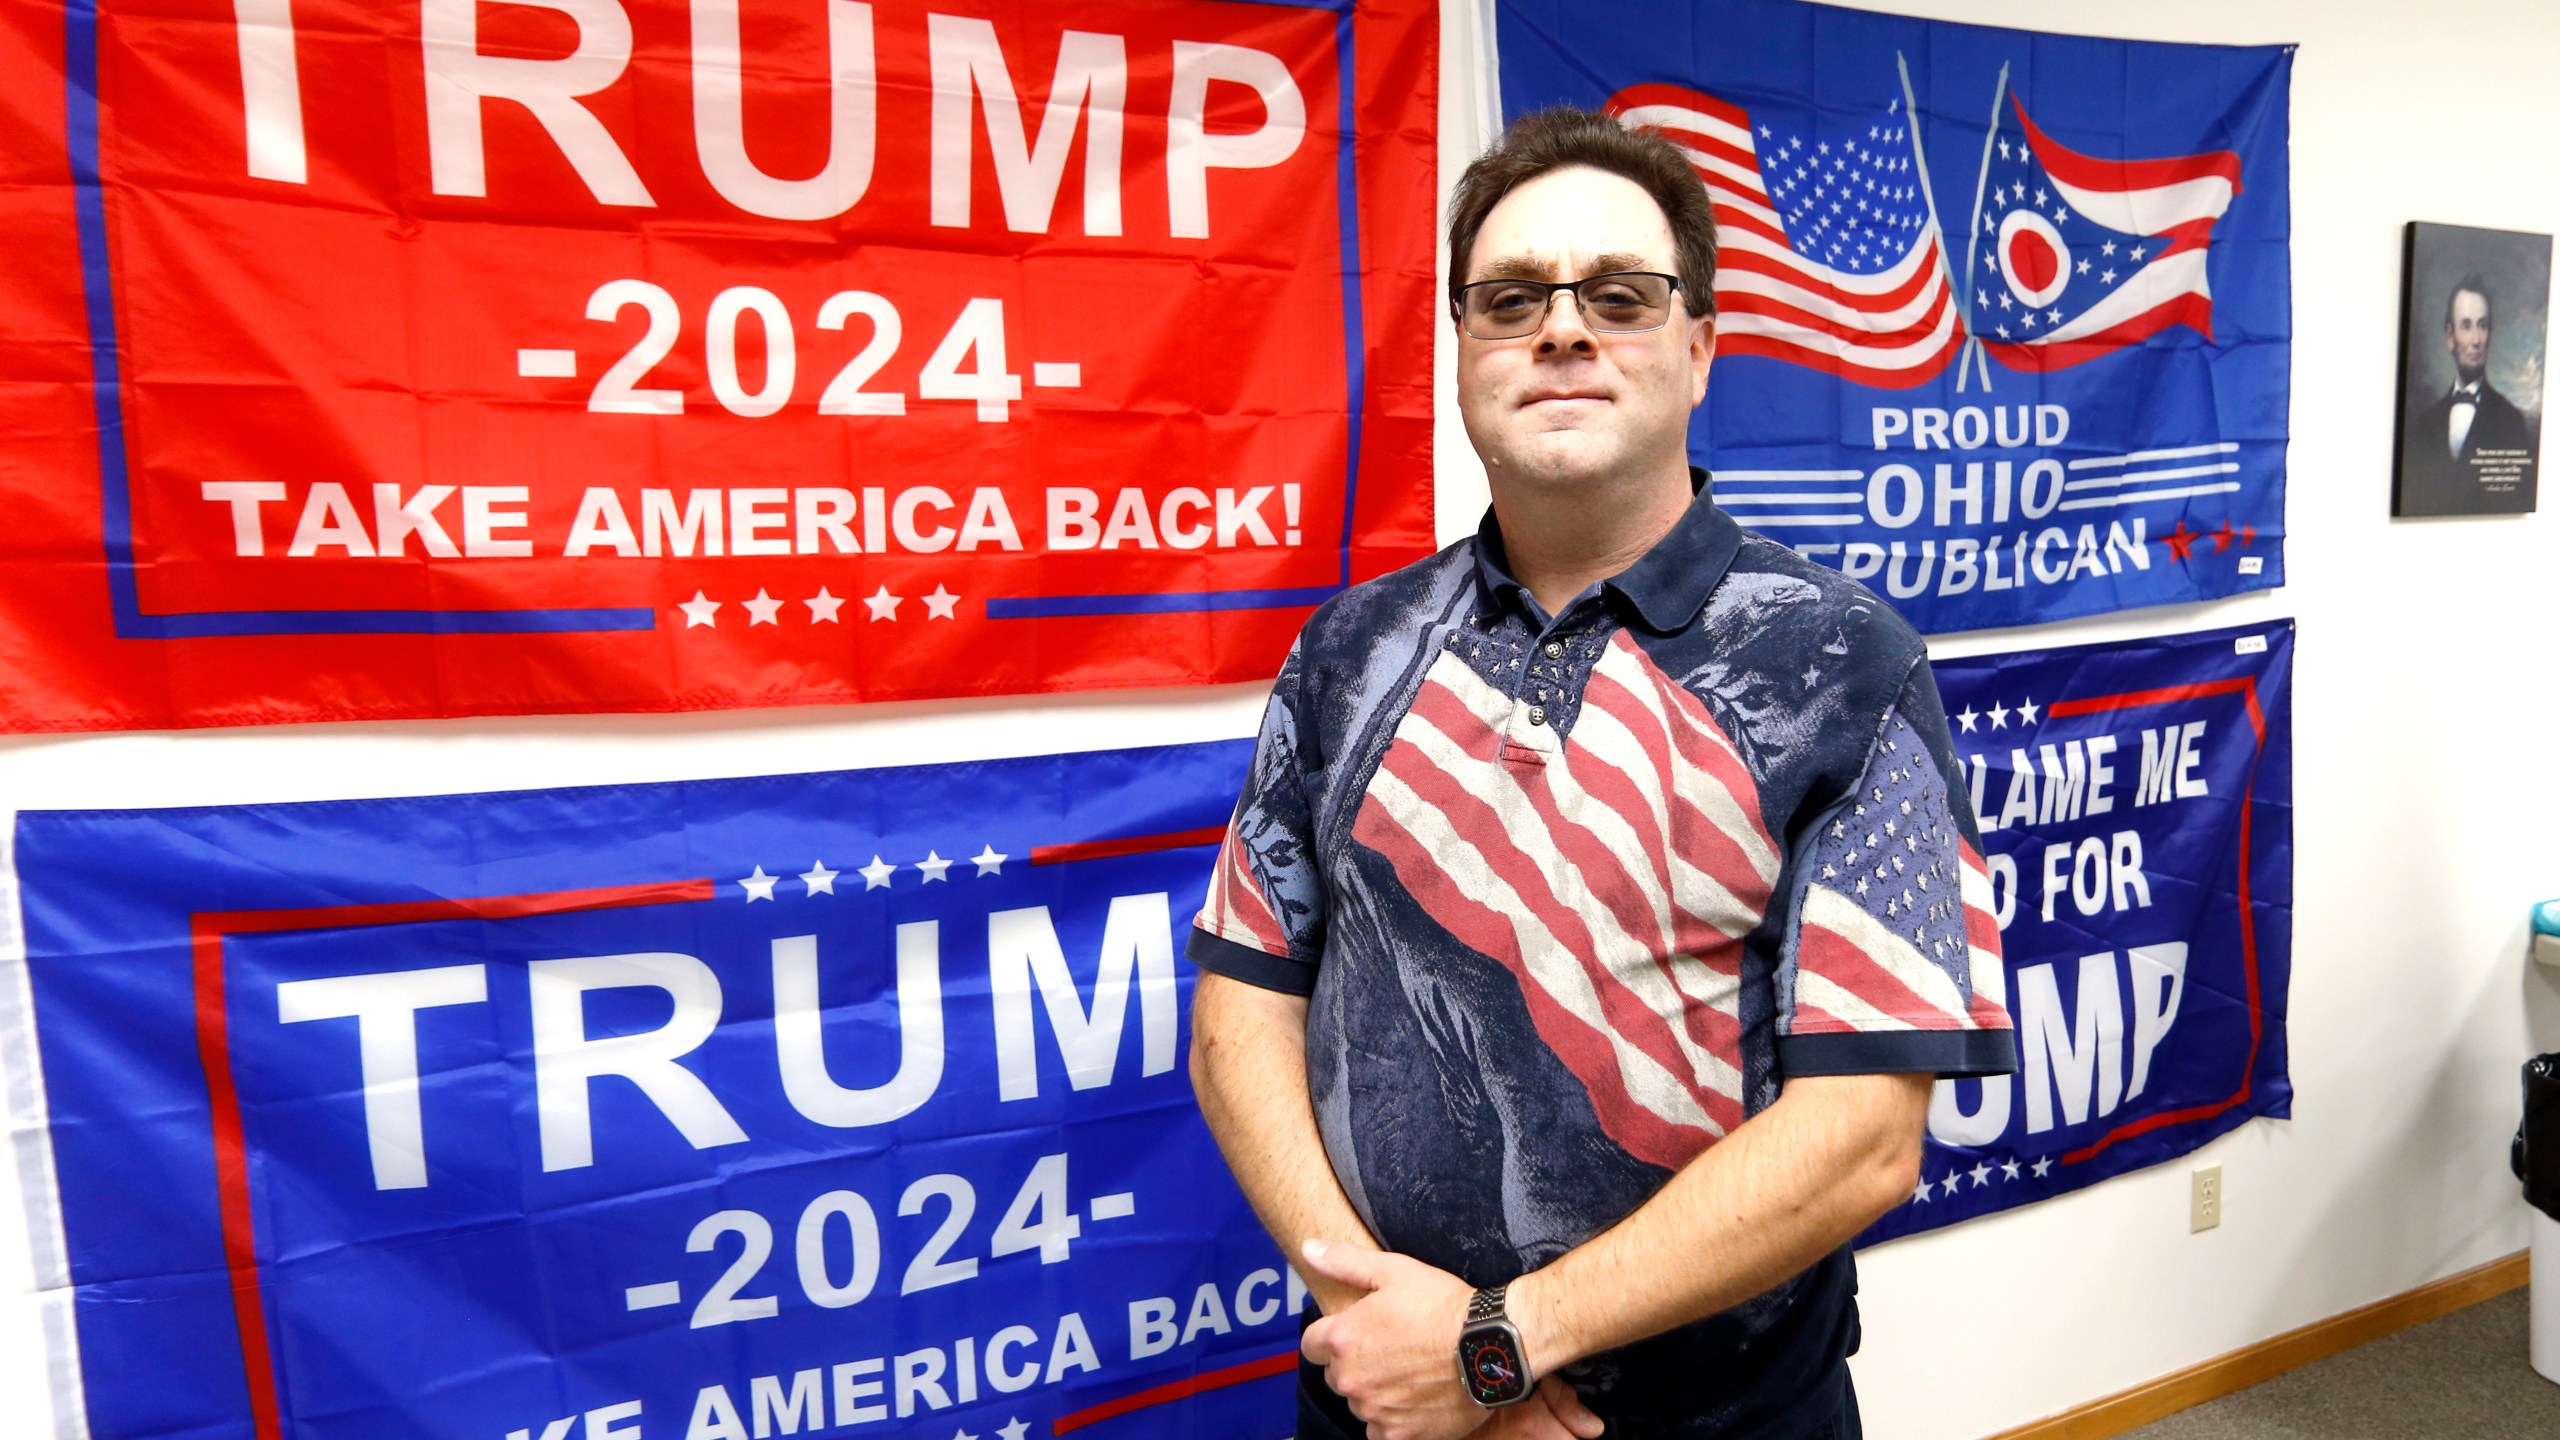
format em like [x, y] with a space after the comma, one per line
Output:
[2204, 1198]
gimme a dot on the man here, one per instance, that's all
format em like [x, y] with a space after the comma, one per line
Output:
[2472, 444]
[1598, 910]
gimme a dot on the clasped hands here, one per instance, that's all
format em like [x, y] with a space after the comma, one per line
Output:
[1392, 1355]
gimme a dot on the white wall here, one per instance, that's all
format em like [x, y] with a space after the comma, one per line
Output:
[2426, 789]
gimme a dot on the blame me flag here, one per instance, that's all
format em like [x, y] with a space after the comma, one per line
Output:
[2004, 318]
[819, 1104]
[2136, 809]
[384, 358]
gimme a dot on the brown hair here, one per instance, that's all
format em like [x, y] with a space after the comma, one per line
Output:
[1564, 136]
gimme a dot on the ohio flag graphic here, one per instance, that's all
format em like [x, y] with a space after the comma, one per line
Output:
[2082, 256]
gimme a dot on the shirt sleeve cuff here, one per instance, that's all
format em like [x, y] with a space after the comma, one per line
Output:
[1221, 956]
[1889, 1052]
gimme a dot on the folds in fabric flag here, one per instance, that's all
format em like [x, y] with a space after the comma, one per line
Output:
[2004, 319]
[2093, 255]
[390, 358]
[2136, 808]
[730, 1108]
[1827, 256]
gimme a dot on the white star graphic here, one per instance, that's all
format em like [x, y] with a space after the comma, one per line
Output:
[2008, 1169]
[823, 606]
[2026, 712]
[760, 885]
[2053, 317]
[1012, 1431]
[933, 865]
[698, 611]
[820, 879]
[1999, 717]
[988, 861]
[2135, 253]
[764, 609]
[1920, 1192]
[877, 873]
[1951, 1181]
[1980, 1175]
[2108, 275]
[2042, 1166]
[2084, 266]
[962, 1434]
[940, 604]
[884, 606]
[2107, 249]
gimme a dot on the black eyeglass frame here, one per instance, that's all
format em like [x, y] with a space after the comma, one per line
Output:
[1582, 305]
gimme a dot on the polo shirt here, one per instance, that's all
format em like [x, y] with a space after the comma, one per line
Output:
[1572, 896]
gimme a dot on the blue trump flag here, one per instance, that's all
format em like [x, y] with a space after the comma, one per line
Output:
[2136, 806]
[2004, 319]
[714, 1109]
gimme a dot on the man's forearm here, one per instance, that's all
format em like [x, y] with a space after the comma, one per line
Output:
[1249, 1070]
[1783, 1190]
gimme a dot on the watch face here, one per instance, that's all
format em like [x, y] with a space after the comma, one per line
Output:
[1490, 1365]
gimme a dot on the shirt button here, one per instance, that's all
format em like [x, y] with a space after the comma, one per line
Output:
[1555, 649]
[1537, 714]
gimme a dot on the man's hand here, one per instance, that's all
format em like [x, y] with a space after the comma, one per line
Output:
[1392, 1354]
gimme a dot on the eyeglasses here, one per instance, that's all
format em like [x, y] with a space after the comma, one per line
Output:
[1620, 303]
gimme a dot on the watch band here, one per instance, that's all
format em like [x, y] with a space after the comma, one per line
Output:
[1486, 1304]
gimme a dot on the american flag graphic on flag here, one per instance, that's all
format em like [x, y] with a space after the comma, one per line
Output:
[1829, 255]
[2075, 257]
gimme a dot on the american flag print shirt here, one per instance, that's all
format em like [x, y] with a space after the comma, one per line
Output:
[1572, 896]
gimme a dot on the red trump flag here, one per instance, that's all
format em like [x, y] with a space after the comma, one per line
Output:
[444, 357]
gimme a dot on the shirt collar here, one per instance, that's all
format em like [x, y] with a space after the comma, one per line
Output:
[1666, 587]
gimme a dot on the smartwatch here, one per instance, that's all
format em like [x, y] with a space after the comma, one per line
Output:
[1490, 1359]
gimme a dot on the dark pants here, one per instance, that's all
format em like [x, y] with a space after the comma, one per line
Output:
[1323, 1416]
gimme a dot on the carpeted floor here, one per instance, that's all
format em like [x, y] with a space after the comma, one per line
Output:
[2461, 1375]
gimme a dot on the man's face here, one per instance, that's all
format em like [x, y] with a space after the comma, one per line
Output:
[1568, 404]
[2466, 334]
